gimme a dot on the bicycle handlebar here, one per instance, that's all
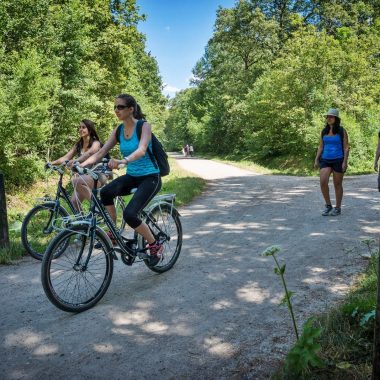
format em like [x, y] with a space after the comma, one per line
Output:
[100, 168]
[57, 168]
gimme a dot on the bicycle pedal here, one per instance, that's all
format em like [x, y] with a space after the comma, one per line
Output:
[143, 255]
[127, 260]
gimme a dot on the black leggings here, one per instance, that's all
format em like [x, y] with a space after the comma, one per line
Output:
[147, 187]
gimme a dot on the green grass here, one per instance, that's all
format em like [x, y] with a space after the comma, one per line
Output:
[180, 182]
[11, 253]
[282, 165]
[346, 341]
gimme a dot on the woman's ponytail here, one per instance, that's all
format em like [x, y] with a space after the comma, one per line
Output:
[137, 114]
[131, 102]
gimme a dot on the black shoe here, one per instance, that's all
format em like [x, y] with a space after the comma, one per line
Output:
[328, 209]
[336, 211]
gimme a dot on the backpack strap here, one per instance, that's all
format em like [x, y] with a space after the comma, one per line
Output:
[139, 126]
[118, 133]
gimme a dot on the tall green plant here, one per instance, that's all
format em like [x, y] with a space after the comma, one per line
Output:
[305, 352]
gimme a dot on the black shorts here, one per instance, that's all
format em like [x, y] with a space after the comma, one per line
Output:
[336, 165]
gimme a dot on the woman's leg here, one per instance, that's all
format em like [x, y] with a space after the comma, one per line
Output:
[146, 190]
[119, 186]
[82, 190]
[324, 175]
[338, 185]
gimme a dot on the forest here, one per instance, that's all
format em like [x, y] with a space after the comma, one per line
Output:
[61, 62]
[270, 72]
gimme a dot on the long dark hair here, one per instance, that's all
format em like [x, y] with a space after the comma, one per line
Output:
[93, 135]
[335, 129]
[130, 101]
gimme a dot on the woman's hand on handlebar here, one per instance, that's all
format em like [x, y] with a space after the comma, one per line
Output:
[114, 164]
[71, 163]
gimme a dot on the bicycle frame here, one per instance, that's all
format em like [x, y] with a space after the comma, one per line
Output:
[62, 193]
[124, 248]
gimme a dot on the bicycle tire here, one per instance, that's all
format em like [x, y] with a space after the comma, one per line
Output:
[35, 244]
[91, 295]
[172, 248]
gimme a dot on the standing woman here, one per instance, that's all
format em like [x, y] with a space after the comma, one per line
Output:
[87, 145]
[332, 157]
[141, 173]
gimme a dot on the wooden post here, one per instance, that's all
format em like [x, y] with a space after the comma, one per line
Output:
[376, 343]
[4, 234]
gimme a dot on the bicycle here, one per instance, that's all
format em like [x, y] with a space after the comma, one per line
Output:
[79, 277]
[43, 221]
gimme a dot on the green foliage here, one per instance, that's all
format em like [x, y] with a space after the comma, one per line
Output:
[346, 338]
[304, 353]
[61, 62]
[279, 270]
[271, 70]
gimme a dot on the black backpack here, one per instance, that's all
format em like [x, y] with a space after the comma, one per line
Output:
[158, 155]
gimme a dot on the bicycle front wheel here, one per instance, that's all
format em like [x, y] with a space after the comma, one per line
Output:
[166, 226]
[70, 283]
[37, 228]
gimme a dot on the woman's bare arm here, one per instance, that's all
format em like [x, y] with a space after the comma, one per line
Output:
[68, 156]
[319, 152]
[110, 143]
[95, 147]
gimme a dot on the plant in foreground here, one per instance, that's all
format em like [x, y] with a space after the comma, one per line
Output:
[305, 352]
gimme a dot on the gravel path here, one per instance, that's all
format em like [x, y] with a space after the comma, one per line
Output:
[216, 314]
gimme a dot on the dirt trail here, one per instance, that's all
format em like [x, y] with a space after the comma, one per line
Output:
[216, 314]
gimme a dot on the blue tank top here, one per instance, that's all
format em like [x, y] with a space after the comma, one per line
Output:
[332, 147]
[142, 166]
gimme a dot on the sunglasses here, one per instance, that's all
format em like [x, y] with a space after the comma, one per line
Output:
[119, 107]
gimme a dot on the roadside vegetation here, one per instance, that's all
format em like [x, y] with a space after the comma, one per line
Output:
[339, 343]
[179, 182]
[270, 72]
[282, 165]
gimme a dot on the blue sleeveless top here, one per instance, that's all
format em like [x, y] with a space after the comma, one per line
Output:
[332, 147]
[142, 166]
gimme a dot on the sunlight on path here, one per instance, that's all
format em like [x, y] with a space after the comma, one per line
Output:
[208, 169]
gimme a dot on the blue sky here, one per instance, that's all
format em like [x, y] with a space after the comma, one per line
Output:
[177, 32]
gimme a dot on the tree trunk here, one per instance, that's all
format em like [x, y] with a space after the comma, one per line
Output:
[376, 344]
[4, 235]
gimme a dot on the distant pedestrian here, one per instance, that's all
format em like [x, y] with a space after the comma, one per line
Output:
[375, 164]
[332, 157]
[191, 150]
[187, 150]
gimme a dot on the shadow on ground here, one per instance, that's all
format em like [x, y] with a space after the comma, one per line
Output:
[216, 314]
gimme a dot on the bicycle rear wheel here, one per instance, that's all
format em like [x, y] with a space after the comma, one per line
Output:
[37, 228]
[67, 281]
[164, 217]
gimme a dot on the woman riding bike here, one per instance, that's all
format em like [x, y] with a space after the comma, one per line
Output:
[141, 172]
[87, 145]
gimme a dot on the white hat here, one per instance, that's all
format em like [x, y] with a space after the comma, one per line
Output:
[332, 112]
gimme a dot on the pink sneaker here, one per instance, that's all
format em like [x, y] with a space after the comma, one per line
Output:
[113, 241]
[156, 252]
